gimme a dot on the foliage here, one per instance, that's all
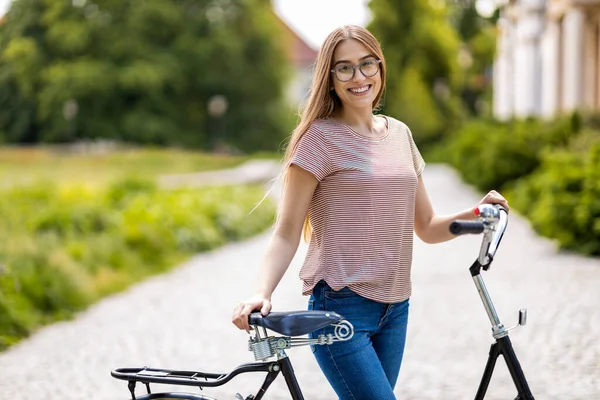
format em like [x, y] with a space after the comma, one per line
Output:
[551, 167]
[490, 154]
[478, 36]
[63, 247]
[141, 71]
[565, 192]
[420, 47]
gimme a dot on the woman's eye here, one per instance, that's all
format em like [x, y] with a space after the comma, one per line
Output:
[345, 68]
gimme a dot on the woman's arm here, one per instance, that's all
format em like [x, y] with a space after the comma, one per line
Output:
[283, 244]
[432, 228]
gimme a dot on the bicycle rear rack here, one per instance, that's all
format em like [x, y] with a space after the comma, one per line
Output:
[262, 346]
[146, 376]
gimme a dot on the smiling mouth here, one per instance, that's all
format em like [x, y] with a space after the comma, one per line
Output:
[360, 90]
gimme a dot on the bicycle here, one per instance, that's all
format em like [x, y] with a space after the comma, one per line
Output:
[492, 222]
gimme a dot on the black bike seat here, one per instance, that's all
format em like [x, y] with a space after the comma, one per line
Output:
[295, 323]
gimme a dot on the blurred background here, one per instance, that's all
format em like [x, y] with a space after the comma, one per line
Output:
[134, 134]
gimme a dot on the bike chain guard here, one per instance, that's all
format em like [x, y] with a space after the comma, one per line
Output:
[268, 346]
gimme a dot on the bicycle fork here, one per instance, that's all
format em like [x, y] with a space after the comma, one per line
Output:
[502, 346]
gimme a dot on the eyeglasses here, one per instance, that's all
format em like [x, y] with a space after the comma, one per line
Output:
[345, 72]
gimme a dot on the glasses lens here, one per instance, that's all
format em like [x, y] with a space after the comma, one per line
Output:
[369, 67]
[344, 72]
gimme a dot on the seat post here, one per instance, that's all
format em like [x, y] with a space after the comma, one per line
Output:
[257, 329]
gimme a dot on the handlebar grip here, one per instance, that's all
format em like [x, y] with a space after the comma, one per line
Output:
[466, 227]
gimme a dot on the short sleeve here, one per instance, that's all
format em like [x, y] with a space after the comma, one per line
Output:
[311, 153]
[418, 160]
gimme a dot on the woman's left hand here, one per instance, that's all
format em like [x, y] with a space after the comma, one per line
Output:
[494, 197]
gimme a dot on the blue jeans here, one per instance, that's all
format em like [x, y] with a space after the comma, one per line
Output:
[366, 366]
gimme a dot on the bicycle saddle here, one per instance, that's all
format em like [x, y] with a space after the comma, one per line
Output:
[295, 323]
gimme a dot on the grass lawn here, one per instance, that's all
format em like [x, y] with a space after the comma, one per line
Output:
[22, 165]
[76, 227]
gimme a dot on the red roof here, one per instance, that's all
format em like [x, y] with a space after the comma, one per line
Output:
[299, 52]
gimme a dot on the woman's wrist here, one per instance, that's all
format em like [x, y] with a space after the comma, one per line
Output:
[468, 213]
[263, 293]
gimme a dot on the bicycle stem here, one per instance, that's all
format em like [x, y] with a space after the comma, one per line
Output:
[495, 220]
[497, 327]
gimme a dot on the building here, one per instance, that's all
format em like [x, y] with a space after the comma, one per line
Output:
[548, 58]
[301, 57]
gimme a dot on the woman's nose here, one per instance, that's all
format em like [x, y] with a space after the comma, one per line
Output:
[358, 76]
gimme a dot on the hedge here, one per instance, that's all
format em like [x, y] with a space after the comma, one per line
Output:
[551, 167]
[64, 247]
[565, 194]
[490, 154]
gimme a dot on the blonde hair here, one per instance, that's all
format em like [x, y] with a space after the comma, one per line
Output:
[323, 102]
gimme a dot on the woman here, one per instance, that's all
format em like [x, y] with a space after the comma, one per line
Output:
[352, 183]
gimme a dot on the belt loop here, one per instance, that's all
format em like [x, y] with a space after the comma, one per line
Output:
[318, 293]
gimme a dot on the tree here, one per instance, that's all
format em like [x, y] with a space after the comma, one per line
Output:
[478, 37]
[141, 71]
[421, 49]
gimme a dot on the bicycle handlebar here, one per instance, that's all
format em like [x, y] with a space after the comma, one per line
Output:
[466, 227]
[491, 221]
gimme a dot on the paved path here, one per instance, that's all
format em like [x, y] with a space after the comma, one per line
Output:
[253, 171]
[181, 320]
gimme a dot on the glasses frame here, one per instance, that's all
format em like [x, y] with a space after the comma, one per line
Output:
[358, 66]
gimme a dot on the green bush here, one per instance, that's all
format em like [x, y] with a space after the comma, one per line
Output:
[565, 193]
[551, 167]
[63, 247]
[490, 154]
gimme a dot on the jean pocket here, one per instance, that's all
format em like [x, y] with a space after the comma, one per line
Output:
[343, 293]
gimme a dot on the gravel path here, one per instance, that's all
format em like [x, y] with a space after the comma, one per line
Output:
[181, 320]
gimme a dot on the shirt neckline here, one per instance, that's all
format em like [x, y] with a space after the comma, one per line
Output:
[362, 137]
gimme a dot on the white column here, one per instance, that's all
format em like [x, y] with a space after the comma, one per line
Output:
[590, 65]
[572, 58]
[502, 100]
[550, 69]
[528, 66]
[597, 72]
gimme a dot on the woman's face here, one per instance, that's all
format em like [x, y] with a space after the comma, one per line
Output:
[358, 90]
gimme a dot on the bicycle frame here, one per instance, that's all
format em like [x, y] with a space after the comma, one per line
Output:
[202, 380]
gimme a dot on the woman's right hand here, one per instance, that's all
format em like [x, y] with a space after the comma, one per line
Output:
[243, 310]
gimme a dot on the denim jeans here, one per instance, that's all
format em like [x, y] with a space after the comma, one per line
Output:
[366, 366]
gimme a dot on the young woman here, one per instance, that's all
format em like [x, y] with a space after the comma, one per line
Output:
[352, 183]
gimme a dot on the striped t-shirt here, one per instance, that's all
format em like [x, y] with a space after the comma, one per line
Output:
[362, 210]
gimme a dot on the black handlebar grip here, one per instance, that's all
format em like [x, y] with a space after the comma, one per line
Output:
[465, 227]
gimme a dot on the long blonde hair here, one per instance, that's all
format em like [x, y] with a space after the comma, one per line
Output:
[323, 102]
